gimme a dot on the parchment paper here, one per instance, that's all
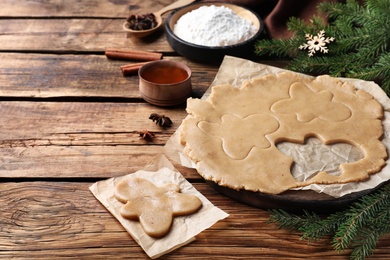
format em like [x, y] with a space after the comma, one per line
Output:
[235, 71]
[184, 229]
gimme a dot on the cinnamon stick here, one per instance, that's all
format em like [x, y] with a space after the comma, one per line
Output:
[127, 54]
[131, 69]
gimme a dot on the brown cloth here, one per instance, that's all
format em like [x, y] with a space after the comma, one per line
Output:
[276, 13]
[275, 22]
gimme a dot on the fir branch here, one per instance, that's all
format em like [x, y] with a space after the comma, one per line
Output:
[366, 241]
[361, 48]
[358, 227]
[326, 226]
[359, 216]
[379, 71]
[337, 66]
[350, 13]
[300, 28]
[366, 244]
[291, 221]
[297, 26]
[378, 6]
[285, 48]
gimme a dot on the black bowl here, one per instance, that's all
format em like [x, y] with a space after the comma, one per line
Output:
[296, 201]
[213, 54]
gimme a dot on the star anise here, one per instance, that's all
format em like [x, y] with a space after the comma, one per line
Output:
[161, 120]
[145, 134]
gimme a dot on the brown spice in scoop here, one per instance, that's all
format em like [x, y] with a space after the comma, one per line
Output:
[141, 22]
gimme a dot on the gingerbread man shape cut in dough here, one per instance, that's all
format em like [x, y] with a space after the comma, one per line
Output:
[154, 207]
[235, 146]
[321, 105]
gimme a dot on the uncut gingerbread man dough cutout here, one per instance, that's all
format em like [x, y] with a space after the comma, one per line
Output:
[154, 207]
[232, 136]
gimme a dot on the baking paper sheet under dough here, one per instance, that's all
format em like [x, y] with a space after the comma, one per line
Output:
[184, 229]
[235, 71]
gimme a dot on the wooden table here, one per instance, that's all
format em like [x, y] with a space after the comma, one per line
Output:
[69, 118]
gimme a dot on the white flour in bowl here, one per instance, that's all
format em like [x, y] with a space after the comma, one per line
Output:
[213, 26]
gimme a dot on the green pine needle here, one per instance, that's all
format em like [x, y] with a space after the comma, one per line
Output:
[361, 48]
[323, 227]
[291, 221]
[358, 227]
[366, 245]
[361, 217]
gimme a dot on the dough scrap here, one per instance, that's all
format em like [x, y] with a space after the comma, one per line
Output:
[242, 154]
[154, 207]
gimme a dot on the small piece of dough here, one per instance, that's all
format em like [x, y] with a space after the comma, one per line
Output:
[154, 207]
[232, 135]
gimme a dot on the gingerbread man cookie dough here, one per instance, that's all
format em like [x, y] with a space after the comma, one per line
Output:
[154, 207]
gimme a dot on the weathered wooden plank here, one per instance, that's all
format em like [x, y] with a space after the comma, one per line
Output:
[75, 161]
[75, 8]
[67, 123]
[190, 251]
[73, 35]
[50, 139]
[45, 220]
[47, 75]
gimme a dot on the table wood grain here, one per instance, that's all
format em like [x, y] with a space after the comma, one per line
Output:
[69, 118]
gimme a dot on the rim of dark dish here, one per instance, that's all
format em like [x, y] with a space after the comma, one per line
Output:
[186, 48]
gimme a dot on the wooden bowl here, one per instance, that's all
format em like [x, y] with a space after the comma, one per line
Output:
[165, 82]
[213, 54]
[141, 33]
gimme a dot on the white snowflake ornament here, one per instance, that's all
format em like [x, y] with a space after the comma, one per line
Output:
[316, 43]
